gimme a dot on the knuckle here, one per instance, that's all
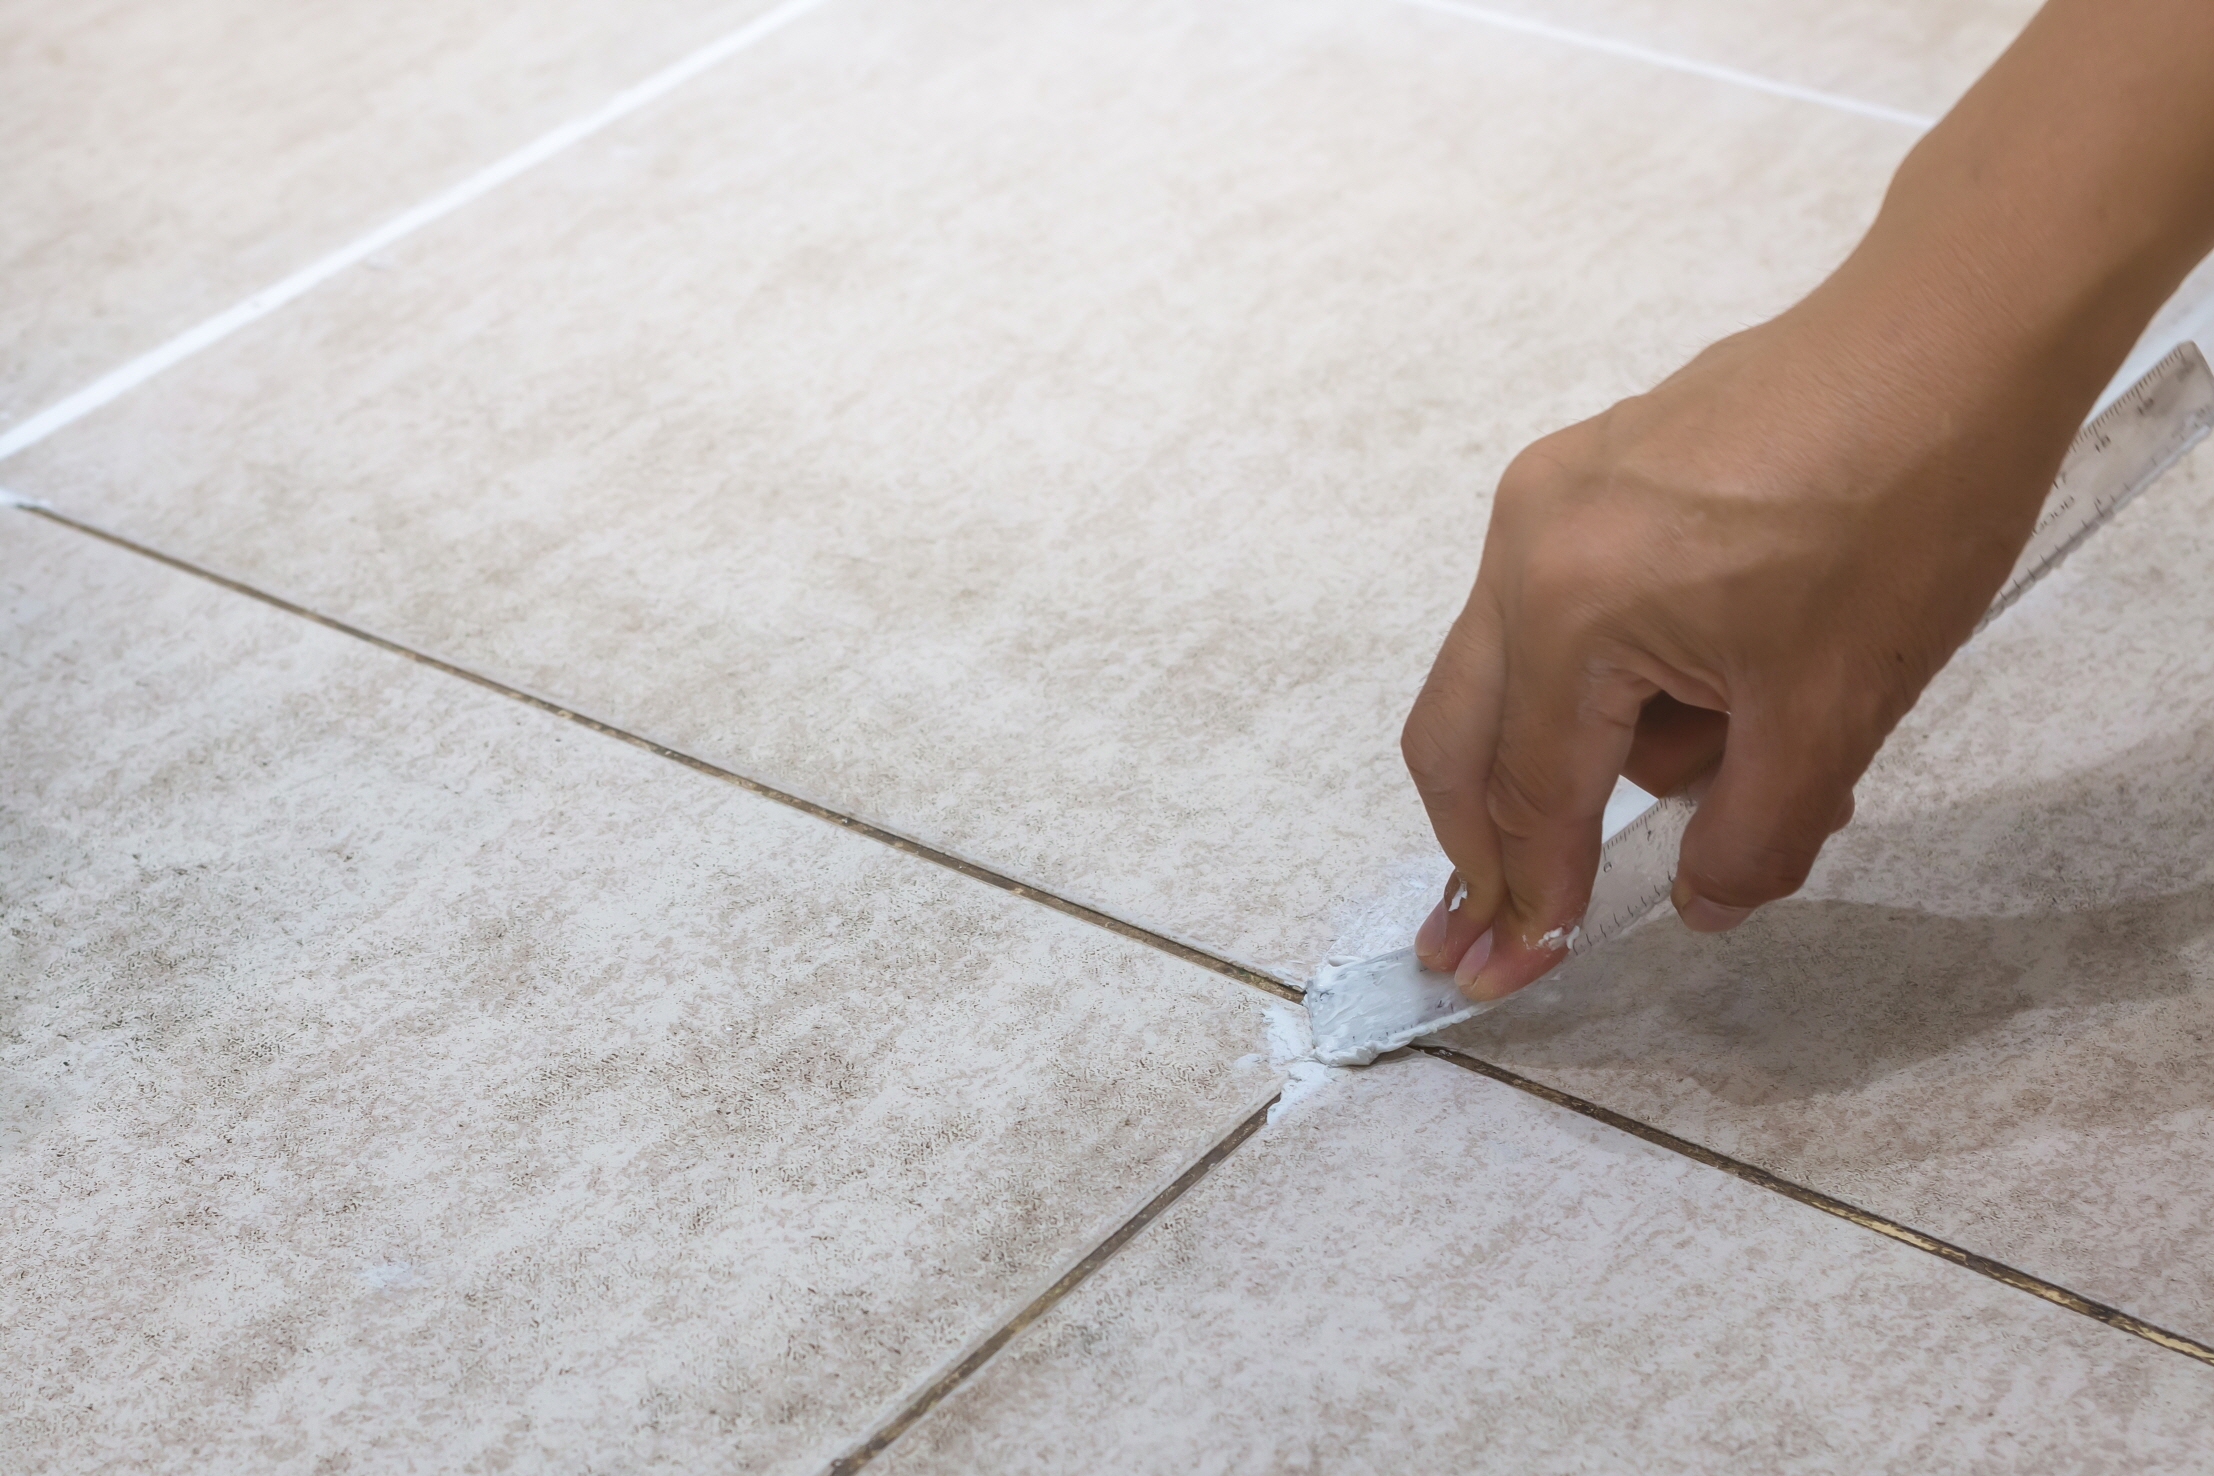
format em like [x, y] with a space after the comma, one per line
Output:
[1430, 761]
[1535, 468]
[1535, 480]
[1518, 799]
[1557, 580]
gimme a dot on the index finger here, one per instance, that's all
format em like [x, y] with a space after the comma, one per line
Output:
[1565, 729]
[1447, 744]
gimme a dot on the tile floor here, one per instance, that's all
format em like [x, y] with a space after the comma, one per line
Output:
[1055, 432]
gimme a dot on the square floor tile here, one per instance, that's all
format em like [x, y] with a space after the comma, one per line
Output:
[1057, 431]
[391, 1073]
[1989, 1012]
[165, 160]
[1421, 1270]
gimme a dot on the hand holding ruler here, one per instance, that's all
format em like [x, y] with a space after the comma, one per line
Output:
[1360, 1010]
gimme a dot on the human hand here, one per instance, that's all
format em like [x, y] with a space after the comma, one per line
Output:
[1754, 569]
[1759, 564]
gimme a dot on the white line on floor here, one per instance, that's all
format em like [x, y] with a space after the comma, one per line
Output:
[121, 381]
[1633, 52]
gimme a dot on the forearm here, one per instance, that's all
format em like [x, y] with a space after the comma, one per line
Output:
[2029, 237]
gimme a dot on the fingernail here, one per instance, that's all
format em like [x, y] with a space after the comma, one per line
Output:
[1431, 935]
[1702, 916]
[1478, 953]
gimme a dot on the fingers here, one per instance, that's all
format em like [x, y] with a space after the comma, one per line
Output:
[1447, 936]
[1784, 787]
[1447, 743]
[1675, 744]
[1566, 725]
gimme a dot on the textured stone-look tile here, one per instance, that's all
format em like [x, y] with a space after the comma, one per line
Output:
[1990, 1013]
[1914, 55]
[1059, 431]
[1421, 1270]
[392, 1074]
[165, 160]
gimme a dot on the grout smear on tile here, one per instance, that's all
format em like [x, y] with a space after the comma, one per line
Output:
[397, 1276]
[1386, 920]
[1291, 1050]
[1373, 1000]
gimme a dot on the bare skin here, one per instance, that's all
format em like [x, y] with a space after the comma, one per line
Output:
[1745, 577]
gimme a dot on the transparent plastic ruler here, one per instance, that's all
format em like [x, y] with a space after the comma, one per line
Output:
[2112, 459]
[1363, 1008]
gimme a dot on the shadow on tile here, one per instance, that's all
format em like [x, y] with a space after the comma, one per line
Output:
[2015, 995]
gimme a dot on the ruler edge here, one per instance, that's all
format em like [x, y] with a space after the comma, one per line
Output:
[2188, 355]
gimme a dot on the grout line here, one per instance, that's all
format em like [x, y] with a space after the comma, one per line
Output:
[122, 380]
[135, 373]
[1983, 1265]
[1999, 1271]
[1238, 973]
[1093, 1259]
[1631, 51]
[874, 1446]
[1944, 1250]
[208, 333]
[882, 1438]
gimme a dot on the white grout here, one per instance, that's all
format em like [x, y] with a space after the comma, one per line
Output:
[121, 381]
[1633, 52]
[135, 373]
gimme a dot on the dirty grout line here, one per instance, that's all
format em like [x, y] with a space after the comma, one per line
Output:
[1944, 1250]
[882, 1437]
[2059, 1296]
[1631, 51]
[130, 376]
[1235, 972]
[877, 1441]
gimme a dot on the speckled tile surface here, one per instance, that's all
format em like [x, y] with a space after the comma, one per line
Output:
[1989, 1014]
[164, 160]
[1419, 1270]
[398, 1078]
[1914, 55]
[1057, 430]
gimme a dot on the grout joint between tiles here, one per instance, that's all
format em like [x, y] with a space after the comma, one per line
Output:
[966, 1366]
[1291, 1050]
[1830, 1204]
[1290, 1039]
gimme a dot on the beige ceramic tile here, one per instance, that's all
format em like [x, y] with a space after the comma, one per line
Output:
[1060, 431]
[1420, 1270]
[393, 1077]
[165, 160]
[1990, 1012]
[1914, 55]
